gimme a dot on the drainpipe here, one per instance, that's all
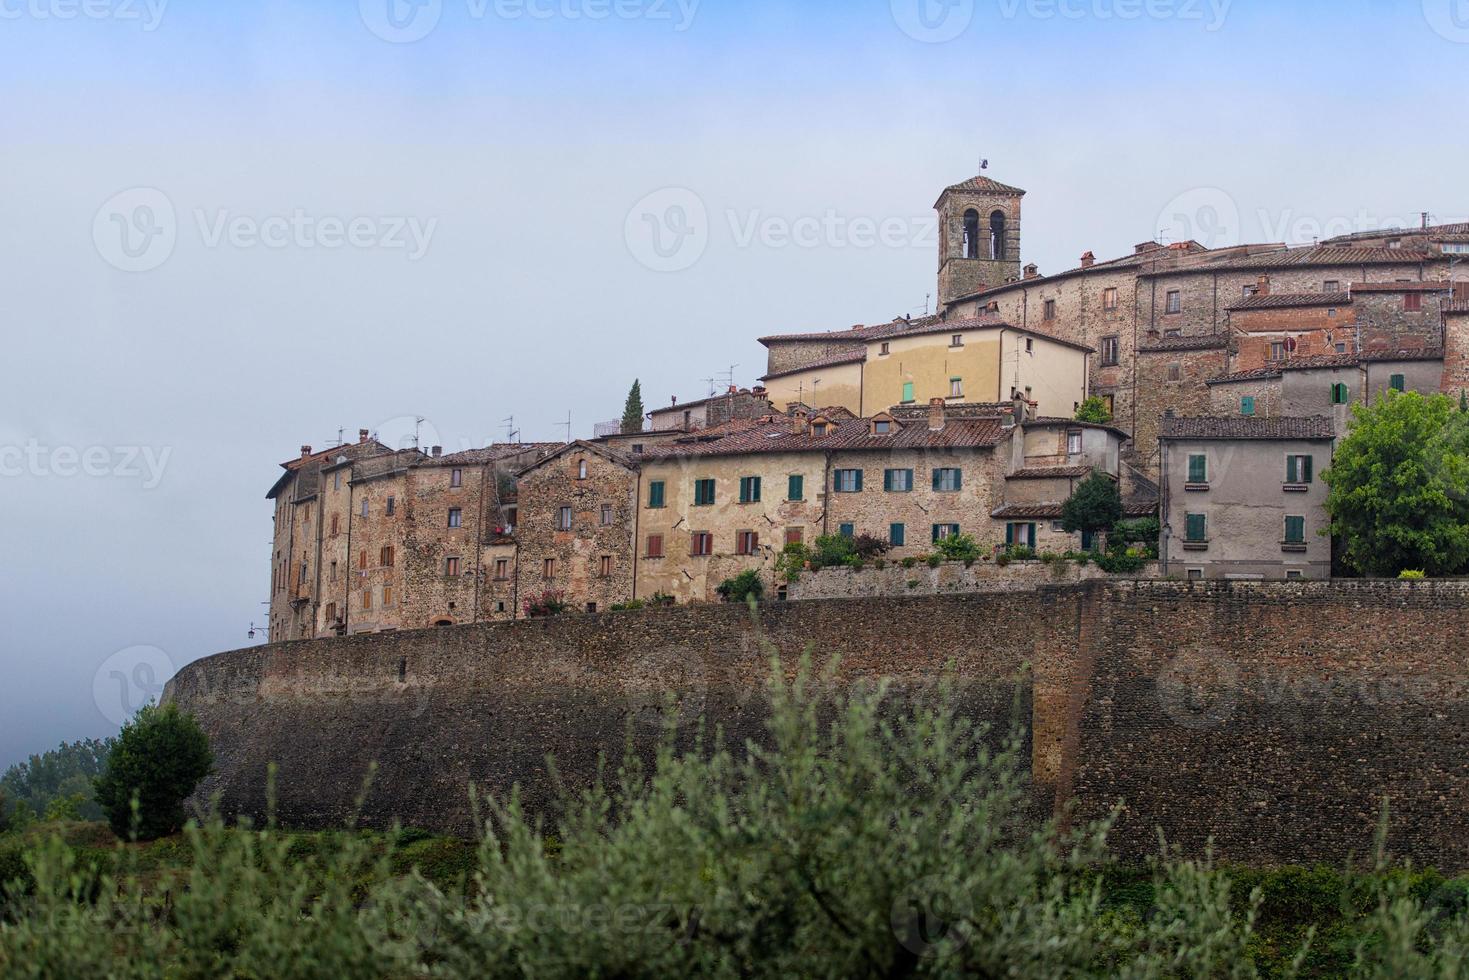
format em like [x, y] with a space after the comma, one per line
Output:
[479, 530]
[1165, 527]
[347, 578]
[637, 514]
[826, 496]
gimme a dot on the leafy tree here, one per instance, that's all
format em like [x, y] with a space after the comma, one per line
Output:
[632, 411]
[742, 588]
[1399, 496]
[1094, 409]
[1095, 505]
[65, 771]
[160, 756]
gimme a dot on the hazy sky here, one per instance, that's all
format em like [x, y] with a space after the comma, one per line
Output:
[230, 229]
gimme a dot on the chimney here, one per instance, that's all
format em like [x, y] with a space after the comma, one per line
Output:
[1032, 271]
[1142, 247]
[798, 424]
[1088, 260]
[758, 390]
[858, 326]
[734, 390]
[1022, 407]
[1262, 286]
[935, 414]
[436, 451]
[361, 435]
[674, 401]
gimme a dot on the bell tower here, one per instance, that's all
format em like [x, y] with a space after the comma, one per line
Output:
[979, 237]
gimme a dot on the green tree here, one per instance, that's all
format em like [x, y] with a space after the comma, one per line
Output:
[160, 756]
[1094, 409]
[1095, 505]
[65, 771]
[1399, 496]
[632, 410]
[743, 587]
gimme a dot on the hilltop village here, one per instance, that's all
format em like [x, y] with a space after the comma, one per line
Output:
[1226, 376]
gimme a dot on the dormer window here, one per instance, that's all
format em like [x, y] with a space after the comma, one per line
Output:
[882, 425]
[818, 428]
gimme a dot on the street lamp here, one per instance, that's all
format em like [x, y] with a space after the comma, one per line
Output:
[263, 630]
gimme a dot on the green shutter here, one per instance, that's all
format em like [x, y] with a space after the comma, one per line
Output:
[795, 488]
[1295, 530]
[887, 481]
[1198, 470]
[907, 391]
[859, 480]
[1194, 527]
[1290, 470]
[847, 530]
[655, 493]
[1247, 405]
[1009, 534]
[1397, 382]
[1030, 529]
[896, 535]
[958, 479]
[1306, 476]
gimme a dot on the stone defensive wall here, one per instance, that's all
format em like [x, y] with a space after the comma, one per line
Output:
[1272, 718]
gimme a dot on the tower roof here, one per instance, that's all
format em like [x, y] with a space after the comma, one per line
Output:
[982, 185]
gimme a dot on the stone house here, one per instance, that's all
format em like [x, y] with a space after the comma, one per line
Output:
[1242, 497]
[578, 515]
[1325, 385]
[735, 403]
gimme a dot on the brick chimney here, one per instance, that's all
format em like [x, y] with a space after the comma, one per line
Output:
[1142, 247]
[1088, 260]
[436, 451]
[1032, 271]
[1262, 286]
[935, 414]
[798, 424]
[305, 451]
[361, 435]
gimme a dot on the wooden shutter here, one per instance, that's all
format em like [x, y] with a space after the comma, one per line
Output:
[1291, 471]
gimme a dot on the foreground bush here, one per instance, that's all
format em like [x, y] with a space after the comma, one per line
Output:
[862, 840]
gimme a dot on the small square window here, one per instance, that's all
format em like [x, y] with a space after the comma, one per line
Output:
[847, 530]
[1195, 574]
[703, 493]
[655, 546]
[948, 479]
[1195, 528]
[883, 350]
[795, 535]
[882, 427]
[747, 543]
[1049, 309]
[957, 340]
[847, 481]
[749, 489]
[956, 387]
[702, 544]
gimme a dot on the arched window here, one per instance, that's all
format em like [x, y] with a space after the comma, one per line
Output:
[997, 235]
[970, 246]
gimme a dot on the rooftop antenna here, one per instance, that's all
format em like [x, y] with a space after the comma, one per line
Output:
[926, 298]
[567, 423]
[341, 430]
[417, 423]
[511, 433]
[711, 382]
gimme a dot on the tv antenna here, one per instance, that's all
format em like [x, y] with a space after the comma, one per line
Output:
[510, 431]
[567, 423]
[417, 424]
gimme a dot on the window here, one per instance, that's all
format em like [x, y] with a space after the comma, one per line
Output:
[451, 566]
[1297, 469]
[749, 489]
[1050, 309]
[1198, 468]
[795, 487]
[847, 481]
[703, 493]
[1331, 286]
[1109, 351]
[941, 531]
[655, 494]
[362, 558]
[385, 557]
[702, 544]
[1109, 402]
[1331, 314]
[655, 546]
[1413, 302]
[456, 478]
[606, 515]
[882, 427]
[563, 519]
[456, 517]
[334, 571]
[897, 481]
[581, 469]
[883, 350]
[392, 507]
[1175, 372]
[1194, 528]
[997, 235]
[794, 535]
[1295, 530]
[947, 479]
[548, 568]
[387, 595]
[502, 569]
[1170, 334]
[1195, 574]
[897, 535]
[337, 480]
[1249, 291]
[1341, 348]
[637, 448]
[956, 387]
[1339, 394]
[818, 428]
[747, 543]
[367, 598]
[1277, 350]
[1109, 298]
[331, 612]
[1397, 382]
[1247, 405]
[1030, 345]
[604, 567]
[1020, 533]
[301, 574]
[907, 392]
[1174, 302]
[1073, 443]
[847, 530]
[336, 525]
[364, 506]
[969, 243]
[1293, 574]
[957, 340]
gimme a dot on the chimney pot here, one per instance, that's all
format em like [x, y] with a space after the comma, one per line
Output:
[935, 414]
[361, 435]
[798, 424]
[734, 389]
[1088, 260]
[858, 326]
[305, 451]
[437, 450]
[1262, 286]
[1032, 271]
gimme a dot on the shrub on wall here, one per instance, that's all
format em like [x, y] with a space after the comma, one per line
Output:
[548, 603]
[742, 588]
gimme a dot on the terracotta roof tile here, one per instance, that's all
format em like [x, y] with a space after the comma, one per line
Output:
[855, 355]
[1402, 287]
[1277, 301]
[1165, 344]
[983, 185]
[1052, 511]
[777, 436]
[1257, 374]
[1310, 255]
[1247, 427]
[1049, 472]
[493, 453]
